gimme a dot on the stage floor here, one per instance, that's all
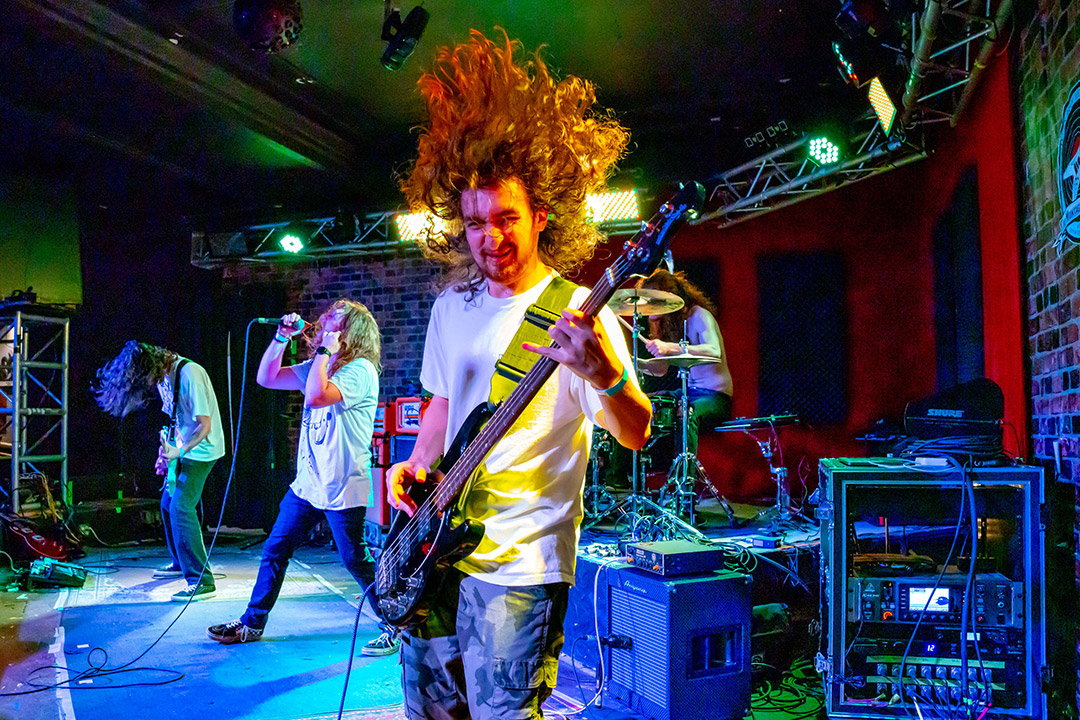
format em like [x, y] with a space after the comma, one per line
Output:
[117, 619]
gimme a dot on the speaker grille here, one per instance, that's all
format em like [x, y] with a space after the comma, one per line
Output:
[646, 667]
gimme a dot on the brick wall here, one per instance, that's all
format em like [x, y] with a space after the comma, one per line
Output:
[1047, 65]
[398, 291]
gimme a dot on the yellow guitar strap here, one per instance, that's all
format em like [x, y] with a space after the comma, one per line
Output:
[541, 315]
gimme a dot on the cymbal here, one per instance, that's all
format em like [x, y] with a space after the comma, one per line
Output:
[646, 300]
[685, 360]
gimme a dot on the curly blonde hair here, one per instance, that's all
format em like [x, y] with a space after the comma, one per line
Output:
[492, 118]
[359, 335]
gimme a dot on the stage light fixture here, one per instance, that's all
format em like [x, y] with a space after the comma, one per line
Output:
[291, 243]
[268, 25]
[858, 17]
[883, 105]
[613, 206]
[402, 37]
[412, 227]
[848, 60]
[823, 151]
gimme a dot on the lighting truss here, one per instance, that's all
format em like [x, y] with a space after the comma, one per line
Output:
[394, 232]
[786, 175]
[369, 235]
[34, 411]
[948, 58]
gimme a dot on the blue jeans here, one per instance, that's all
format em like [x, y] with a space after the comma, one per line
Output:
[179, 513]
[291, 529]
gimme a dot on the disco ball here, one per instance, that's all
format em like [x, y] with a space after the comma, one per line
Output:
[268, 25]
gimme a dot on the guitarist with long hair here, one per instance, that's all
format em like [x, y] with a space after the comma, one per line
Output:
[189, 447]
[506, 161]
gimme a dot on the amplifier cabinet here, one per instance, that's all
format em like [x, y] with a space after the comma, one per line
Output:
[894, 597]
[689, 655]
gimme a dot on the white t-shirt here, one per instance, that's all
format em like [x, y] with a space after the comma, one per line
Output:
[196, 398]
[333, 459]
[528, 493]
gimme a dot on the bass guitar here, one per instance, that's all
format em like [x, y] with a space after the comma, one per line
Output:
[419, 548]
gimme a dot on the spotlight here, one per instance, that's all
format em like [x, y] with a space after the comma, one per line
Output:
[401, 37]
[268, 25]
[291, 243]
[857, 17]
[851, 59]
[883, 105]
[824, 151]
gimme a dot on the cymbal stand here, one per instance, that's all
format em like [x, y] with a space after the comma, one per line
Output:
[686, 468]
[598, 501]
[635, 506]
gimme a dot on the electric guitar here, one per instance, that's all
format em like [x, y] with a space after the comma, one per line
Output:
[419, 548]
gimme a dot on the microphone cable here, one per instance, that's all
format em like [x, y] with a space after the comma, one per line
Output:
[101, 669]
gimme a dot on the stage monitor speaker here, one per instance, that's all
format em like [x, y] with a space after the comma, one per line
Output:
[689, 649]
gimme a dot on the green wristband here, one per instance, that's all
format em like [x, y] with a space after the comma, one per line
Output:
[277, 336]
[617, 387]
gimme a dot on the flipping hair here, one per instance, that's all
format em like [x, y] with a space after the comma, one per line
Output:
[359, 335]
[671, 324]
[126, 382]
[493, 118]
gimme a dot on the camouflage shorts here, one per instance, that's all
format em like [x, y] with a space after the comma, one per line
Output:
[486, 651]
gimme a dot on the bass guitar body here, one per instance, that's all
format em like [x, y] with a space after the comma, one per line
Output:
[419, 548]
[435, 545]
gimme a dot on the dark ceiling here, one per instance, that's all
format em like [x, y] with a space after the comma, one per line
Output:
[160, 103]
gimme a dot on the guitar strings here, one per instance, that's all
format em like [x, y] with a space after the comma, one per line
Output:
[522, 395]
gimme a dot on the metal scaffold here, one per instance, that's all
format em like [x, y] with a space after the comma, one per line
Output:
[34, 413]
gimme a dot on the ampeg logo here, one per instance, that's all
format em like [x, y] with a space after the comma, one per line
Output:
[1068, 170]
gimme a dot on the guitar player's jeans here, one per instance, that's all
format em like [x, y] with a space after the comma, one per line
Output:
[486, 652]
[294, 523]
[179, 512]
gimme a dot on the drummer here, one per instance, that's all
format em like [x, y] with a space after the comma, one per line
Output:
[709, 382]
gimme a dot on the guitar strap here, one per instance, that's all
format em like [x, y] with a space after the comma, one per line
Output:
[173, 432]
[541, 315]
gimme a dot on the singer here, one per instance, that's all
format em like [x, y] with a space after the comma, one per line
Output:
[341, 387]
[189, 447]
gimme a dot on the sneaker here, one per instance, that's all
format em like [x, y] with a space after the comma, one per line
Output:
[386, 644]
[168, 571]
[233, 632]
[195, 592]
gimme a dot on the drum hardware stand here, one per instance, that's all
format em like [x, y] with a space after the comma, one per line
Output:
[635, 505]
[686, 468]
[598, 501]
[781, 512]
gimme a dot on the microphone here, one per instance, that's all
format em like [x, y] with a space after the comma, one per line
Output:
[277, 321]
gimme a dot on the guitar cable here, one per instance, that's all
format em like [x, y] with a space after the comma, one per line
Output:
[100, 670]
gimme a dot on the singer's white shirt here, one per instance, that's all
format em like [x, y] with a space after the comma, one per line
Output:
[333, 459]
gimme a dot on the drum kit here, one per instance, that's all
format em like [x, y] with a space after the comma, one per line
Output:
[674, 505]
[676, 499]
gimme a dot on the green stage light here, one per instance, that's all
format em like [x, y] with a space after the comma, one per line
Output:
[291, 243]
[823, 151]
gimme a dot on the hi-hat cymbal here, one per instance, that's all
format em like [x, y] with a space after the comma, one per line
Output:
[685, 360]
[645, 300]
